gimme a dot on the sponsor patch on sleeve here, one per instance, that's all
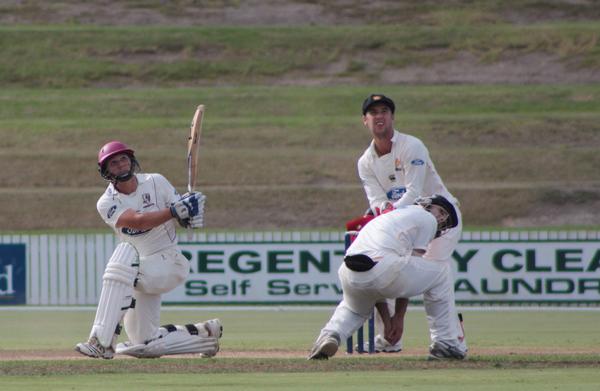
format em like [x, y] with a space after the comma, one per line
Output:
[417, 162]
[111, 211]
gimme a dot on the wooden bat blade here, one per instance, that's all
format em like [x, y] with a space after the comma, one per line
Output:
[193, 147]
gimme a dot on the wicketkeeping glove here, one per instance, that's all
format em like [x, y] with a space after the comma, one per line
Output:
[384, 208]
[359, 222]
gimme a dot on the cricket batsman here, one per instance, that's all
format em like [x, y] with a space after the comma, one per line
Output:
[142, 209]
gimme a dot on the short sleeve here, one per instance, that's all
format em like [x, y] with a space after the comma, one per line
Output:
[110, 209]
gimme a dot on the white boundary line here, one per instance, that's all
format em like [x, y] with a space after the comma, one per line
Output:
[290, 308]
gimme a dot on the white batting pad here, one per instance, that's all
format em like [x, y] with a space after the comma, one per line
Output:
[117, 290]
[177, 341]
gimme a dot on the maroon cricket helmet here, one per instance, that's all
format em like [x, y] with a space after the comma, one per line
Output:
[109, 150]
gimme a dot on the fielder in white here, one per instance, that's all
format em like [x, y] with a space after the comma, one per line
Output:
[142, 209]
[379, 265]
[395, 170]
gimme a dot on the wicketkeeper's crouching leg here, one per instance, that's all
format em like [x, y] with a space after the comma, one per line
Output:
[200, 338]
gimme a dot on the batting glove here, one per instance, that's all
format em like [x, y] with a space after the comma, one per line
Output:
[196, 221]
[189, 206]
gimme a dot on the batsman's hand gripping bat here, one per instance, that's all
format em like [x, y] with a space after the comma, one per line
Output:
[193, 146]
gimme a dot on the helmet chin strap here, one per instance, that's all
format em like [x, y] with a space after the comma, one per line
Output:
[124, 177]
[117, 180]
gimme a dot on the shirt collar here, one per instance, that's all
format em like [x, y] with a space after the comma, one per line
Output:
[395, 138]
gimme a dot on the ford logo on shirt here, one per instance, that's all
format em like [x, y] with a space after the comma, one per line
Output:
[395, 193]
[417, 162]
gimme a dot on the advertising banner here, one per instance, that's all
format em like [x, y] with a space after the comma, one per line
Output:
[261, 272]
[301, 268]
[484, 271]
[13, 289]
[552, 271]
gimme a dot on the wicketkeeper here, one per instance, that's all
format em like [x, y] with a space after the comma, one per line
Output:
[143, 209]
[395, 170]
[379, 265]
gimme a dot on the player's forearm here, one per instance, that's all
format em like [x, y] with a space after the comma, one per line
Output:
[408, 198]
[376, 195]
[401, 305]
[414, 182]
[383, 310]
[144, 221]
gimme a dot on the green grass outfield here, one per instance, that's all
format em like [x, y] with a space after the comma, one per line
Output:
[266, 349]
[580, 379]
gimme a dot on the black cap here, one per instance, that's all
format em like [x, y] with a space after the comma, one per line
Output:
[377, 98]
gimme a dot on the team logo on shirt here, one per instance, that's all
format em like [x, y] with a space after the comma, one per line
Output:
[111, 211]
[398, 165]
[417, 162]
[147, 200]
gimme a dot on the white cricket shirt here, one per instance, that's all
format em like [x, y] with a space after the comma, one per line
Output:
[154, 192]
[398, 231]
[402, 175]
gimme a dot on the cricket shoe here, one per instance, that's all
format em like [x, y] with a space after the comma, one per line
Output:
[381, 346]
[325, 347]
[92, 348]
[441, 350]
[214, 328]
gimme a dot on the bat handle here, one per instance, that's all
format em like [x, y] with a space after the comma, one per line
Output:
[190, 234]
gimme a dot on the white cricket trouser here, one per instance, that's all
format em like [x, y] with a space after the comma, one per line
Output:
[440, 249]
[159, 273]
[396, 277]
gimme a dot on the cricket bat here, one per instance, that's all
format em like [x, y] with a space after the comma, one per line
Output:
[193, 147]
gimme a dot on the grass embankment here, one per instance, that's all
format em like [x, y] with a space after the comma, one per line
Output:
[284, 157]
[281, 157]
[83, 56]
